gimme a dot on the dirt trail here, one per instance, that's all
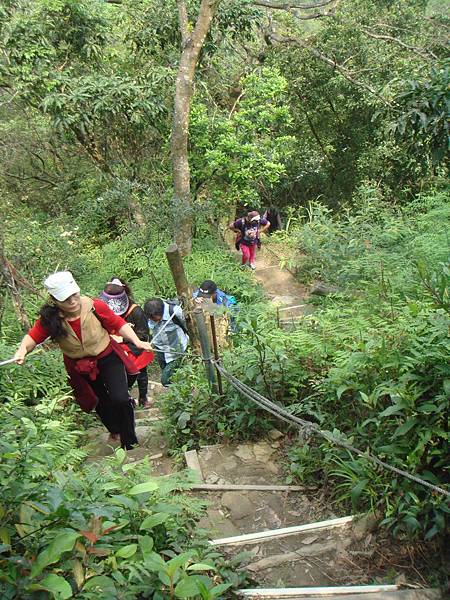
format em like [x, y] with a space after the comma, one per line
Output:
[328, 557]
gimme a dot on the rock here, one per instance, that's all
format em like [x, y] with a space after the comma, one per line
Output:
[274, 434]
[262, 451]
[213, 478]
[310, 539]
[276, 445]
[238, 505]
[272, 467]
[245, 452]
[229, 463]
[143, 432]
[321, 289]
[364, 525]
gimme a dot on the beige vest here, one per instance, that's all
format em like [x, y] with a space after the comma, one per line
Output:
[94, 338]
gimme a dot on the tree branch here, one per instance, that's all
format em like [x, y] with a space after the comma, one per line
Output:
[292, 5]
[423, 53]
[329, 61]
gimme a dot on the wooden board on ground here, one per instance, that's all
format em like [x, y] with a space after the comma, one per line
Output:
[384, 592]
[226, 487]
[254, 538]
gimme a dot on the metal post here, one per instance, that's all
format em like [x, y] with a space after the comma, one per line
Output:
[199, 318]
[216, 351]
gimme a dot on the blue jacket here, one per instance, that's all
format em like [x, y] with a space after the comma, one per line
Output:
[222, 299]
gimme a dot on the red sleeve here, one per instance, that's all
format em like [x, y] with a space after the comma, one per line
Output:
[110, 321]
[38, 332]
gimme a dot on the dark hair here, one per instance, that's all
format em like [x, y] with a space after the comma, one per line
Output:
[113, 289]
[52, 321]
[154, 308]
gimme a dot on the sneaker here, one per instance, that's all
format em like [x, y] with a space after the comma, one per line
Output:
[244, 266]
[144, 403]
[252, 266]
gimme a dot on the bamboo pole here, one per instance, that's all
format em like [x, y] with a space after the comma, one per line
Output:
[200, 322]
[216, 351]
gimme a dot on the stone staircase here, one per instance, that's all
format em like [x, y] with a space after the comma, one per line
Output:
[319, 562]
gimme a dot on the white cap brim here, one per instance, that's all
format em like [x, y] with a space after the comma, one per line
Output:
[64, 292]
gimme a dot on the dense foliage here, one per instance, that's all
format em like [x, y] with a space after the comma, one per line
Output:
[91, 530]
[371, 365]
[340, 121]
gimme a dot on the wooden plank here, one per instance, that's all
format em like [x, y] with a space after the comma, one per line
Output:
[217, 487]
[193, 463]
[254, 538]
[292, 307]
[315, 591]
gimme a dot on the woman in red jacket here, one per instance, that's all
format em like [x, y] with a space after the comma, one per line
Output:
[97, 366]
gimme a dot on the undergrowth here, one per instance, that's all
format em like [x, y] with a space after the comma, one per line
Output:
[91, 531]
[371, 365]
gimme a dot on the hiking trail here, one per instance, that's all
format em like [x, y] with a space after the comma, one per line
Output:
[328, 559]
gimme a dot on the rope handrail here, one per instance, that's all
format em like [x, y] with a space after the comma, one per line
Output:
[279, 412]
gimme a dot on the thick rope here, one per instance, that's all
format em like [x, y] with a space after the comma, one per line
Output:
[279, 412]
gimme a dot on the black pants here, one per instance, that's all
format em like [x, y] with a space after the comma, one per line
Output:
[114, 407]
[142, 381]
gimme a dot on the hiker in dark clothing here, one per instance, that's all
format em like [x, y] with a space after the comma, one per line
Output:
[272, 214]
[118, 297]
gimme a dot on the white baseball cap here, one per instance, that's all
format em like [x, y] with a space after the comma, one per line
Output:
[61, 285]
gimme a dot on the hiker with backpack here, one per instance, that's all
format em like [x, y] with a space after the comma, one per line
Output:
[209, 292]
[249, 229]
[95, 362]
[168, 333]
[272, 214]
[118, 297]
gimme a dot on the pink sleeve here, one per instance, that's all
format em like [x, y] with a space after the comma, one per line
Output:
[110, 321]
[38, 332]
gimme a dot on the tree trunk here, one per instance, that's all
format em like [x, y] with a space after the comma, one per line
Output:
[191, 46]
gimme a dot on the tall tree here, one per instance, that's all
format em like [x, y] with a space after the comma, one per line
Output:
[184, 88]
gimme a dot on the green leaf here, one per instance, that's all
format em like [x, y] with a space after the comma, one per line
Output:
[145, 544]
[120, 455]
[142, 488]
[407, 425]
[63, 542]
[153, 520]
[177, 561]
[391, 410]
[357, 491]
[127, 551]
[201, 567]
[341, 389]
[219, 589]
[428, 408]
[102, 584]
[57, 585]
[187, 587]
